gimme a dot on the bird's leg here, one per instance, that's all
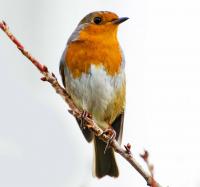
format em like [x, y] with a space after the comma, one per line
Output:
[84, 114]
[112, 135]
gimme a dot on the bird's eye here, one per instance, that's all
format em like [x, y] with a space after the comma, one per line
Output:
[97, 20]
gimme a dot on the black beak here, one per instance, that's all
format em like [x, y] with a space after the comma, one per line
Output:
[120, 20]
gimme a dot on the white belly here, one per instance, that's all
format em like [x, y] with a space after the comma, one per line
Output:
[94, 91]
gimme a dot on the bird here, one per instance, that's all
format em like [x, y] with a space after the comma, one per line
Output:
[92, 68]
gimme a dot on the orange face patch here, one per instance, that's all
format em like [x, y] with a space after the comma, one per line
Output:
[93, 50]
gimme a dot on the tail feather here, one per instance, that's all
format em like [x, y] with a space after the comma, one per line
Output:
[105, 163]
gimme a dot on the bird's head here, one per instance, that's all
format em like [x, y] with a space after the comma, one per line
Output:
[99, 24]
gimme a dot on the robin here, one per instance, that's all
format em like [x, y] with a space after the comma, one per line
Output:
[92, 71]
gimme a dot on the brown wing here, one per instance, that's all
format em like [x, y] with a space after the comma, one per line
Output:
[117, 125]
[62, 72]
[86, 132]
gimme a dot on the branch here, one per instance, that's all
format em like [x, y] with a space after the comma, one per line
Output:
[76, 112]
[145, 157]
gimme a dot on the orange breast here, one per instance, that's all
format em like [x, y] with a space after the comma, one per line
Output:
[93, 51]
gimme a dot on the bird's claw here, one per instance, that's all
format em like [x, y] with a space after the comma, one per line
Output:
[84, 115]
[112, 135]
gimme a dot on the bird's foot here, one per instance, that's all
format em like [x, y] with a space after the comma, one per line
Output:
[84, 115]
[112, 135]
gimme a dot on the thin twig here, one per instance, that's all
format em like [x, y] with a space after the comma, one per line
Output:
[76, 112]
[145, 157]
